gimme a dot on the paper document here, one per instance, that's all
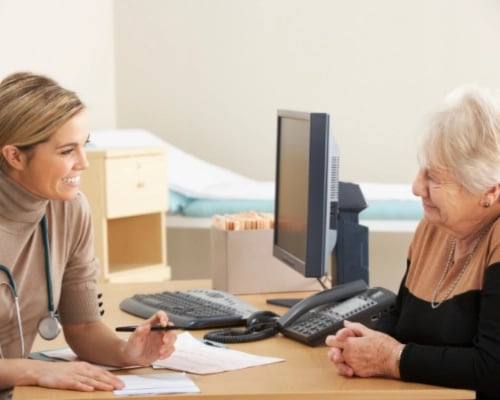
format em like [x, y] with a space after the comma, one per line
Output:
[63, 354]
[156, 383]
[191, 355]
[66, 354]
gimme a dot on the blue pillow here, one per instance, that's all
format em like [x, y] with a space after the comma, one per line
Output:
[177, 202]
[376, 210]
[210, 207]
[408, 210]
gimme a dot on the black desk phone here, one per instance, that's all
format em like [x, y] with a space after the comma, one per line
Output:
[311, 320]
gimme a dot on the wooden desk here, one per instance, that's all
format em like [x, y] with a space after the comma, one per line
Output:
[306, 374]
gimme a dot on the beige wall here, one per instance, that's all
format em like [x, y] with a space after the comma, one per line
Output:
[208, 75]
[71, 41]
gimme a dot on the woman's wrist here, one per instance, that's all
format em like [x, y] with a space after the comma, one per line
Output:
[398, 361]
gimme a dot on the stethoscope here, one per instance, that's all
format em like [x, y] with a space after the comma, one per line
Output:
[49, 326]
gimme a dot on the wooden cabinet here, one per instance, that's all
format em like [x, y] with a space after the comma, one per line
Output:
[127, 191]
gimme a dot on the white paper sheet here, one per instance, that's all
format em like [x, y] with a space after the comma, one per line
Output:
[66, 354]
[156, 383]
[191, 355]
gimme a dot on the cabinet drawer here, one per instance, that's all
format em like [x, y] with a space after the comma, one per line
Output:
[136, 185]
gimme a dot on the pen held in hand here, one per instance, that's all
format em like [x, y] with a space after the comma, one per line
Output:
[132, 328]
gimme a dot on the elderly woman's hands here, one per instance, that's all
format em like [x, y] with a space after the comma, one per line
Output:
[359, 351]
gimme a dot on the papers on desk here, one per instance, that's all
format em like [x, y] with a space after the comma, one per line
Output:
[190, 355]
[134, 384]
[156, 383]
[65, 354]
[193, 356]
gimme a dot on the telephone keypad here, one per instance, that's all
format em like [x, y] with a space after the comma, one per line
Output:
[315, 323]
[312, 323]
[333, 314]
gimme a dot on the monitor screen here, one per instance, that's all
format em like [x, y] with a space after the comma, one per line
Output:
[306, 197]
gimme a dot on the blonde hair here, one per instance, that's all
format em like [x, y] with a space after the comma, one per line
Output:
[32, 108]
[463, 138]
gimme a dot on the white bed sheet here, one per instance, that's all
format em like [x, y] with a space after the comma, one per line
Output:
[198, 179]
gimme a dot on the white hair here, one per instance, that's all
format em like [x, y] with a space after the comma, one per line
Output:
[463, 138]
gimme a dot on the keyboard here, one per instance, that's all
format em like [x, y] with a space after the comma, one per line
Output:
[192, 309]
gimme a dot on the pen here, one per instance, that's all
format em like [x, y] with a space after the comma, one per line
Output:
[132, 328]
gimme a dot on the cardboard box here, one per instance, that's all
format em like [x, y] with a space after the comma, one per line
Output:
[242, 262]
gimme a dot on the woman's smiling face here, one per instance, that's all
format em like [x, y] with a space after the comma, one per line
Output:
[52, 168]
[446, 202]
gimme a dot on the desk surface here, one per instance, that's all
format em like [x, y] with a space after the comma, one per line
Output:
[306, 374]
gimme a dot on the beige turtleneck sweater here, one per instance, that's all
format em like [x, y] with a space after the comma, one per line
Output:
[74, 268]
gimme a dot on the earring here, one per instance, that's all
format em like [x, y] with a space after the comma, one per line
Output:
[486, 204]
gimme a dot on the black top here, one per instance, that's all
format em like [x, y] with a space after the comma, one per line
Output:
[456, 344]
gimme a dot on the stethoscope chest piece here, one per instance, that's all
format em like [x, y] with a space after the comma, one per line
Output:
[49, 327]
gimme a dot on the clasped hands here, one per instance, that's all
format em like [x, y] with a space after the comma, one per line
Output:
[357, 350]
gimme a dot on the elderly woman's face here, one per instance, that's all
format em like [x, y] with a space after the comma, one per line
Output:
[446, 202]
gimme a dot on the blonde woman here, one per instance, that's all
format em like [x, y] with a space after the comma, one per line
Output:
[48, 271]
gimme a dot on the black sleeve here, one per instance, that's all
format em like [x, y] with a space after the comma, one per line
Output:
[388, 322]
[475, 367]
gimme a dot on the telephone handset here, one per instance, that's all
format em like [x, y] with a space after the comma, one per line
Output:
[311, 320]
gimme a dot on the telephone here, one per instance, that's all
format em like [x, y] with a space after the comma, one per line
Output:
[311, 320]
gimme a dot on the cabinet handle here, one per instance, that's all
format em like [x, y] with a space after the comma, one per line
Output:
[140, 185]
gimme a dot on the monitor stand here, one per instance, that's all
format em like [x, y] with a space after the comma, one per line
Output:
[289, 302]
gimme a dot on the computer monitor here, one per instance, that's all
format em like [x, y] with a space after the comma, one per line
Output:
[316, 230]
[306, 197]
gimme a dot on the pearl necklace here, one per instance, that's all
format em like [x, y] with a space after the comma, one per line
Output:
[434, 303]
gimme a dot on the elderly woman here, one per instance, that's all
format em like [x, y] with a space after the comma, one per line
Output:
[445, 329]
[48, 271]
